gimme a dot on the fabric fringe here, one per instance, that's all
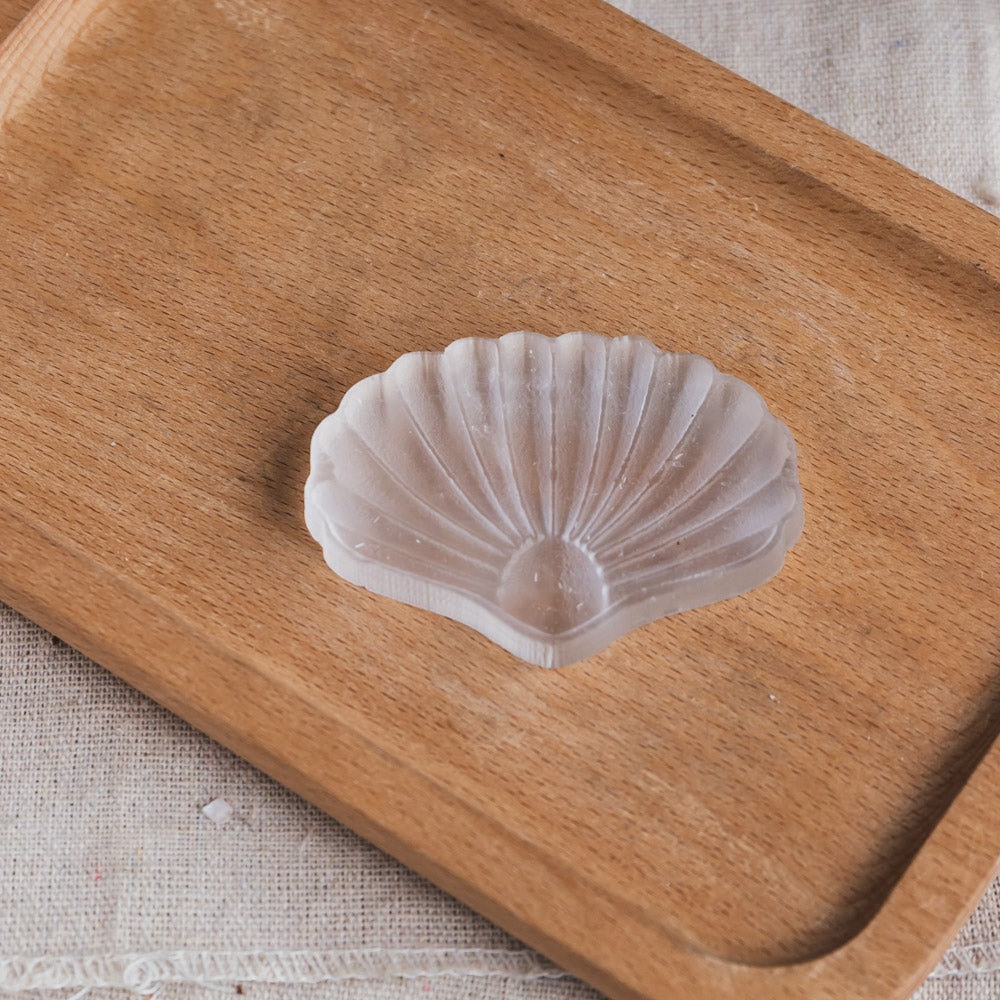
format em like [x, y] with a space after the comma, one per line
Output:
[969, 960]
[149, 972]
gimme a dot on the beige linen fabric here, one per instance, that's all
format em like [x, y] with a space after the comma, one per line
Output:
[112, 879]
[919, 80]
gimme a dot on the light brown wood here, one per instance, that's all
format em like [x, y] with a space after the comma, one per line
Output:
[11, 13]
[38, 42]
[218, 216]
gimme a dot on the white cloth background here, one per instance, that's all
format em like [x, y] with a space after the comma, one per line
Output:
[112, 878]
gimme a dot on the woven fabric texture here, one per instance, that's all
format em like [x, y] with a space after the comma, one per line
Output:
[915, 79]
[113, 881]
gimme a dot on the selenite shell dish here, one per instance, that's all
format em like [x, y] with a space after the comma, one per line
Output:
[553, 493]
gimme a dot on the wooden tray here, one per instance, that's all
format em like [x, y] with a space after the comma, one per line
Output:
[11, 13]
[216, 216]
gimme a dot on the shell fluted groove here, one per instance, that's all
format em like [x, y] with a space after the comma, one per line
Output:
[554, 493]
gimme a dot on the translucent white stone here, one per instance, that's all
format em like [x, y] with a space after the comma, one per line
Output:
[219, 811]
[554, 493]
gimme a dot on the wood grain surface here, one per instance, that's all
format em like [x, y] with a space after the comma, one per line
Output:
[11, 12]
[217, 216]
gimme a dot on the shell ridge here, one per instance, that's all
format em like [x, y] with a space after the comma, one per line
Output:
[774, 493]
[532, 422]
[408, 491]
[485, 360]
[582, 496]
[680, 503]
[575, 429]
[418, 567]
[674, 581]
[531, 527]
[550, 527]
[617, 565]
[466, 582]
[743, 487]
[570, 433]
[340, 527]
[625, 511]
[616, 391]
[466, 425]
[449, 475]
[750, 546]
[609, 490]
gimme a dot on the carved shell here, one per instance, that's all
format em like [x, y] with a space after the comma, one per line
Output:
[554, 493]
